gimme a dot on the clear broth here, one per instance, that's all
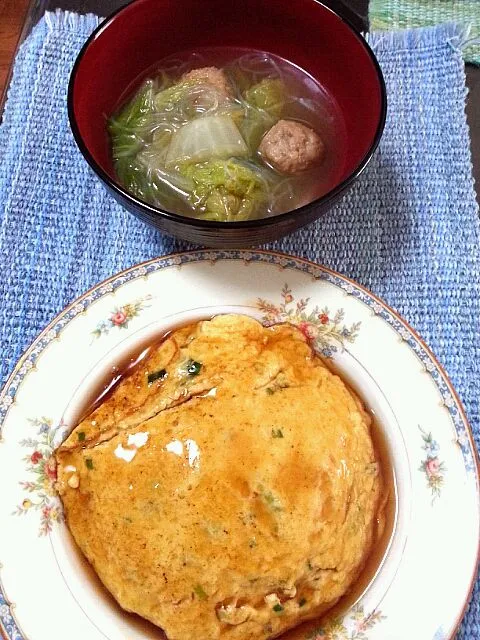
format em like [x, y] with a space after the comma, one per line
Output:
[308, 103]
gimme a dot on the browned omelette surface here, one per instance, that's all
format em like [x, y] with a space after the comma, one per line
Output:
[228, 487]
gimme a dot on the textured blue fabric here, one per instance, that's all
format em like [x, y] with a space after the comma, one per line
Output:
[408, 231]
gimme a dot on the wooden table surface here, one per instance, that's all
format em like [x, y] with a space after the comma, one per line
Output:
[18, 16]
[12, 18]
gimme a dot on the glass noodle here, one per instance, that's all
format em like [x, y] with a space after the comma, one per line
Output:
[188, 148]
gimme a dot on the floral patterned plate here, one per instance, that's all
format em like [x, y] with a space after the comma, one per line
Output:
[423, 583]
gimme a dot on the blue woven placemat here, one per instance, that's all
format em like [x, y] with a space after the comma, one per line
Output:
[408, 231]
[403, 14]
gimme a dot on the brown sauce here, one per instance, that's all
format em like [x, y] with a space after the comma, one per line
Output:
[104, 388]
[384, 527]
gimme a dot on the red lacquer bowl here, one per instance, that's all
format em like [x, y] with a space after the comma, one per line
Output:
[304, 32]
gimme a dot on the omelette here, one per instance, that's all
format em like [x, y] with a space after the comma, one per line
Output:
[228, 486]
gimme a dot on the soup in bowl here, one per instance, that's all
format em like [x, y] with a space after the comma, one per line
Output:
[245, 123]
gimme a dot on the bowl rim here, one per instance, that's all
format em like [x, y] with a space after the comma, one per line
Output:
[257, 223]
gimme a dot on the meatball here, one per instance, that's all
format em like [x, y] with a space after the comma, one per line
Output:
[212, 76]
[291, 147]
